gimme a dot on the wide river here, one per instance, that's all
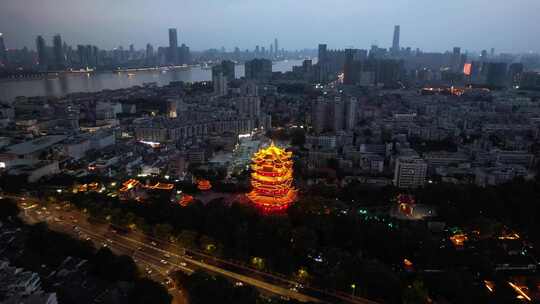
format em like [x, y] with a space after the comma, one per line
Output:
[72, 83]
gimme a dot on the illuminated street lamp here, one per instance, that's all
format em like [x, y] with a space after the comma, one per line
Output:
[353, 287]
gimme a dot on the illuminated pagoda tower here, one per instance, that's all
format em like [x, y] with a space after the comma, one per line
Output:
[272, 179]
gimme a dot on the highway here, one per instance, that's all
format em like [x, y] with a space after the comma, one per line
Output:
[158, 258]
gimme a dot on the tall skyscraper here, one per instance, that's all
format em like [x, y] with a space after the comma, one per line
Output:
[219, 80]
[350, 113]
[149, 51]
[395, 41]
[322, 53]
[3, 51]
[58, 50]
[149, 56]
[173, 46]
[184, 56]
[322, 64]
[276, 47]
[41, 47]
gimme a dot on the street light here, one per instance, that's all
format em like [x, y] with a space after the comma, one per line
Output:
[353, 287]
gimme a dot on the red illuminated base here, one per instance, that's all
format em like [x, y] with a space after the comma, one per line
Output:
[269, 204]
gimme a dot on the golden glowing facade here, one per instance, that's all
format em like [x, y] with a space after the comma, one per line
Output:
[204, 185]
[272, 179]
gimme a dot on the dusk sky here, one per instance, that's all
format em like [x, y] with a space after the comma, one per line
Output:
[508, 26]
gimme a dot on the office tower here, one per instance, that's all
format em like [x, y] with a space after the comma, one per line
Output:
[455, 63]
[149, 51]
[257, 51]
[322, 63]
[173, 46]
[323, 53]
[131, 54]
[96, 57]
[492, 53]
[276, 47]
[410, 172]
[219, 80]
[59, 57]
[496, 74]
[350, 113]
[41, 47]
[3, 51]
[395, 41]
[184, 56]
[258, 69]
[83, 58]
[272, 50]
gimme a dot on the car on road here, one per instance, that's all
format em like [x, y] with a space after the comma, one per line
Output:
[163, 262]
[153, 243]
[167, 255]
[184, 264]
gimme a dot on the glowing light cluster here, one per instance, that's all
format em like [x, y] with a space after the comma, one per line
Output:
[406, 204]
[204, 185]
[272, 179]
[185, 200]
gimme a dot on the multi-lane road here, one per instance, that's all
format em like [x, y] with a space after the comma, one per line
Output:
[158, 258]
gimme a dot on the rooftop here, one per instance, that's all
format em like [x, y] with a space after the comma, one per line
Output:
[35, 145]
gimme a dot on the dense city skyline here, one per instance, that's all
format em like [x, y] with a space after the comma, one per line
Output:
[276, 152]
[351, 24]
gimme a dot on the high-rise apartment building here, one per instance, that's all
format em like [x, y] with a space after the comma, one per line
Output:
[219, 80]
[333, 115]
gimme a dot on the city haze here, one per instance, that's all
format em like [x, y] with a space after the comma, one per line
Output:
[203, 24]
